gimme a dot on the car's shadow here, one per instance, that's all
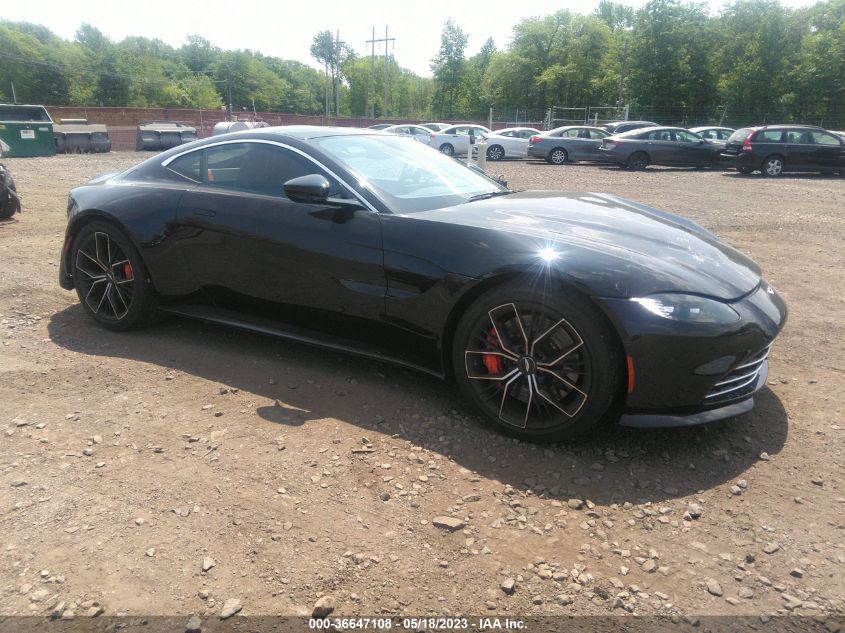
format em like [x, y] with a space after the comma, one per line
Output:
[785, 177]
[614, 465]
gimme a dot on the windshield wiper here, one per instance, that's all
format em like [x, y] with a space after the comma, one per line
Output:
[487, 196]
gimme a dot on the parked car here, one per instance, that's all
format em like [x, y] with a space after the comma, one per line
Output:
[380, 126]
[675, 146]
[617, 127]
[457, 139]
[511, 142]
[436, 127]
[568, 143]
[416, 132]
[775, 149]
[552, 312]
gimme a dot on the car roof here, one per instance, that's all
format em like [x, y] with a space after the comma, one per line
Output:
[514, 129]
[305, 132]
[652, 123]
[710, 127]
[572, 127]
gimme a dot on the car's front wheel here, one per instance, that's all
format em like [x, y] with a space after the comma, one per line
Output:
[538, 367]
[110, 278]
[448, 149]
[772, 167]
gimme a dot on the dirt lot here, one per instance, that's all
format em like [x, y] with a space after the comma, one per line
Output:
[129, 459]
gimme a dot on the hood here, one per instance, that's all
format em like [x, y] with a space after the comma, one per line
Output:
[612, 246]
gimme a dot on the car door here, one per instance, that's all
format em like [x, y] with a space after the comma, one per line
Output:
[575, 143]
[799, 149]
[596, 137]
[458, 137]
[828, 152]
[693, 150]
[661, 147]
[253, 250]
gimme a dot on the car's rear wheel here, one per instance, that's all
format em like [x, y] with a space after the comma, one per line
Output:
[447, 149]
[637, 160]
[495, 152]
[538, 367]
[111, 279]
[558, 156]
[772, 167]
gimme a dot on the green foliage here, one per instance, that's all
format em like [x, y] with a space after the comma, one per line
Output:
[755, 62]
[448, 67]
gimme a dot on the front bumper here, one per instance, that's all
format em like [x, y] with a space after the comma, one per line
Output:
[685, 373]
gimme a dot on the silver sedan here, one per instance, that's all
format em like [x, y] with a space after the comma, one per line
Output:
[568, 143]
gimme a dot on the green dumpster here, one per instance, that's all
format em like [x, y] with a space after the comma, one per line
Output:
[27, 130]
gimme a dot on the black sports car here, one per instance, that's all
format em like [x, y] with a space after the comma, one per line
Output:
[551, 311]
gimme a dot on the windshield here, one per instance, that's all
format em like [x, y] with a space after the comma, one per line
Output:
[406, 174]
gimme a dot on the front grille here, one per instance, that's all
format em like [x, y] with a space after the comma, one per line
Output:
[740, 381]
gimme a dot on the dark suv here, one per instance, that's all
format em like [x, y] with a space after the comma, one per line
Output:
[774, 149]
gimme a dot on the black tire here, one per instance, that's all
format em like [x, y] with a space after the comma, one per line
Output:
[447, 149]
[111, 279]
[745, 170]
[773, 166]
[560, 380]
[637, 161]
[495, 152]
[558, 156]
[9, 204]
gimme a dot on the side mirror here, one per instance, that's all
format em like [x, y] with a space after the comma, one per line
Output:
[312, 188]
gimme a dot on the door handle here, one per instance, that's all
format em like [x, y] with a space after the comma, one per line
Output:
[205, 212]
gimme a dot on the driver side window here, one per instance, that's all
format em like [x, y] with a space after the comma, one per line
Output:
[258, 168]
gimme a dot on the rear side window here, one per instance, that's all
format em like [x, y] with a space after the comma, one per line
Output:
[823, 138]
[740, 135]
[769, 136]
[598, 134]
[188, 166]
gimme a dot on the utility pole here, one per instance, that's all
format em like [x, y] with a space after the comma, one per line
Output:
[327, 93]
[373, 41]
[372, 87]
[229, 87]
[622, 72]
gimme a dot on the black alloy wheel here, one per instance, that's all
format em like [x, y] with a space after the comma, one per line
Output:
[110, 278]
[495, 152]
[637, 161]
[558, 156]
[542, 369]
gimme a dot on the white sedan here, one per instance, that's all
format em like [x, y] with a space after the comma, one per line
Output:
[456, 140]
[511, 142]
[416, 132]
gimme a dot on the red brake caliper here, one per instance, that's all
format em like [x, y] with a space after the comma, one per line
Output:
[127, 271]
[492, 362]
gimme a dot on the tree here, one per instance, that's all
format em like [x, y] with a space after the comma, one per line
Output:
[448, 68]
[332, 53]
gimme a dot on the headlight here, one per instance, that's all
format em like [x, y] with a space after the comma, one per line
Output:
[688, 308]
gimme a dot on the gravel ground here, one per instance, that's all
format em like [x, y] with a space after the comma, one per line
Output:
[170, 470]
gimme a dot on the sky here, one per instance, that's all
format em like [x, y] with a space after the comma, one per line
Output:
[285, 29]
